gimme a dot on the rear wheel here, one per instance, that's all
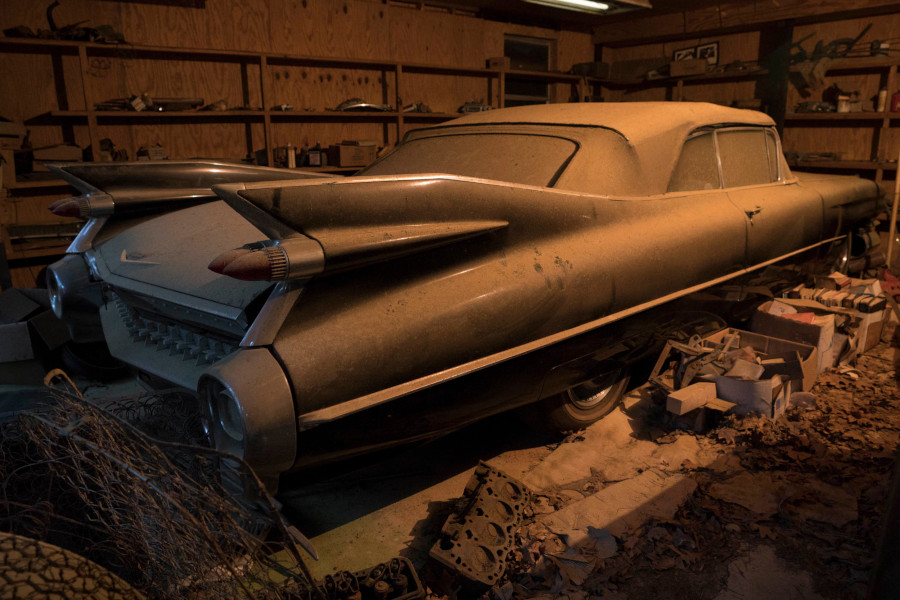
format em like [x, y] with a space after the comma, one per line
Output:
[584, 404]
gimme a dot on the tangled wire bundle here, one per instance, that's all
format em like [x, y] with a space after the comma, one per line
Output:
[161, 515]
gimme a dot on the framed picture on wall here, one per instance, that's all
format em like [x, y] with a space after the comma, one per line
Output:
[685, 53]
[710, 52]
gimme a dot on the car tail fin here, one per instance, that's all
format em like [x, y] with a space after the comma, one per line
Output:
[142, 187]
[353, 222]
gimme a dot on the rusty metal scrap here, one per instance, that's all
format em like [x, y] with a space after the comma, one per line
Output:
[477, 539]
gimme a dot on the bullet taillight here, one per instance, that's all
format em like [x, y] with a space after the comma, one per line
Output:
[272, 261]
[77, 207]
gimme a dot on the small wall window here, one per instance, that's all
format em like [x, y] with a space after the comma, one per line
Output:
[526, 54]
[696, 168]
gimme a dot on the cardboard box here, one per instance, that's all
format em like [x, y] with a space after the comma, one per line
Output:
[351, 155]
[867, 324]
[15, 343]
[806, 356]
[768, 397]
[870, 327]
[692, 66]
[819, 334]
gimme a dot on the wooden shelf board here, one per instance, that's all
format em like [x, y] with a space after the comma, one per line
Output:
[688, 79]
[35, 180]
[329, 61]
[835, 116]
[418, 116]
[541, 75]
[447, 70]
[859, 63]
[853, 165]
[317, 115]
[37, 249]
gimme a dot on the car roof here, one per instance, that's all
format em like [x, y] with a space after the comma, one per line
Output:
[655, 131]
[633, 120]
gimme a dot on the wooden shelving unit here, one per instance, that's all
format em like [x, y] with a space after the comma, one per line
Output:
[676, 85]
[262, 63]
[77, 91]
[881, 159]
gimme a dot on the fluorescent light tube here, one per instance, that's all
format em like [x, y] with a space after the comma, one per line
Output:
[587, 6]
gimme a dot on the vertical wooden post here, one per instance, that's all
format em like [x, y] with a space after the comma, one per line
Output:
[775, 49]
[398, 99]
[245, 95]
[892, 230]
[89, 103]
[267, 118]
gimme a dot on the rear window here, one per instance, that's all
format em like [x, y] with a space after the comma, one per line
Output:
[526, 159]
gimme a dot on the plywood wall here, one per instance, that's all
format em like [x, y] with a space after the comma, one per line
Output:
[344, 28]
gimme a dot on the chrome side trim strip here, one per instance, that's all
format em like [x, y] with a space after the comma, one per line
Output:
[324, 415]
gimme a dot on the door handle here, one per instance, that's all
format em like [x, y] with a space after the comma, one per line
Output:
[753, 213]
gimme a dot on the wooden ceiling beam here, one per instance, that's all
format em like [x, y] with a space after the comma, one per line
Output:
[734, 16]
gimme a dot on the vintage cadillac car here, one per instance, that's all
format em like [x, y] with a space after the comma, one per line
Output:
[505, 258]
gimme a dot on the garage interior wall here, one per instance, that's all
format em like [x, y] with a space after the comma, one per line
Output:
[368, 29]
[355, 29]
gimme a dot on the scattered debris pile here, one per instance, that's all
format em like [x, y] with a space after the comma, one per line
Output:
[394, 580]
[811, 484]
[158, 515]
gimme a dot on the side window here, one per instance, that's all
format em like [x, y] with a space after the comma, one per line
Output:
[748, 157]
[696, 168]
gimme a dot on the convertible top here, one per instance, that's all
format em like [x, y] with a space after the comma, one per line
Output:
[652, 132]
[635, 121]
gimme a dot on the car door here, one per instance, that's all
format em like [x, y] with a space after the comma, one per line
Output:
[717, 234]
[780, 216]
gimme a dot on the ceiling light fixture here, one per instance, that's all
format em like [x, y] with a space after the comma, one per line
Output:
[587, 6]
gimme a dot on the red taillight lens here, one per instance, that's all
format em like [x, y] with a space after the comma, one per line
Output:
[263, 264]
[69, 207]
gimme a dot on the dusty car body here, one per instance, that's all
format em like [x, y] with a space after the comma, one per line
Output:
[489, 262]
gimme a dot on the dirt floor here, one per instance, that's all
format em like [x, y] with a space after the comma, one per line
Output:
[754, 508]
[635, 507]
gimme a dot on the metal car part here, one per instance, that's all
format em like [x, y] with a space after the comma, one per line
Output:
[75, 297]
[477, 538]
[271, 316]
[85, 238]
[315, 418]
[248, 410]
[130, 187]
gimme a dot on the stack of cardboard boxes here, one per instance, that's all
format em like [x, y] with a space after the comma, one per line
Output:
[793, 339]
